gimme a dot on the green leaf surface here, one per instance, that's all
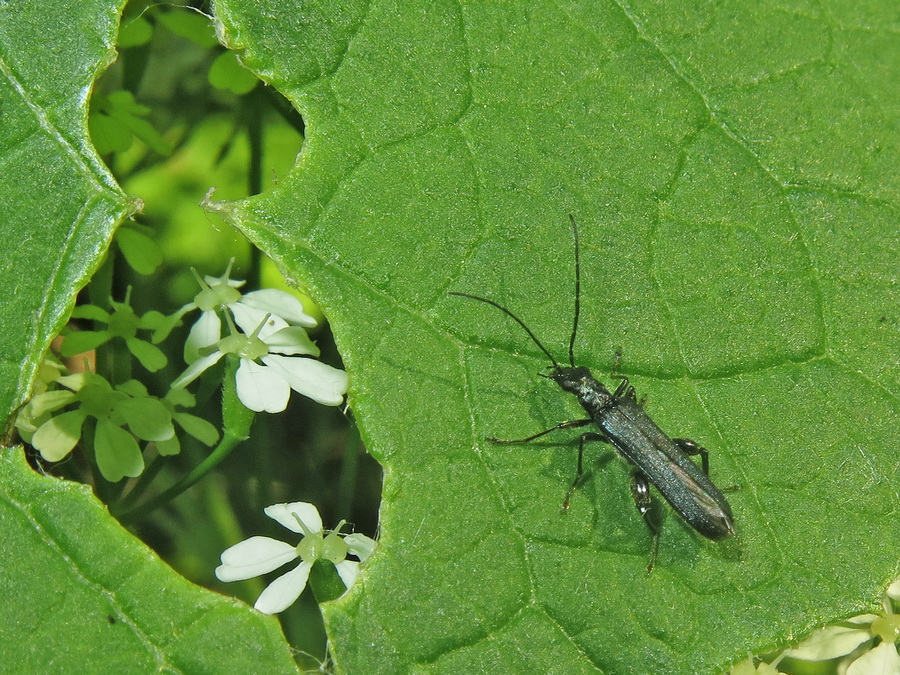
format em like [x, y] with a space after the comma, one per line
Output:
[91, 598]
[58, 203]
[734, 171]
[188, 23]
[56, 437]
[198, 427]
[227, 73]
[79, 342]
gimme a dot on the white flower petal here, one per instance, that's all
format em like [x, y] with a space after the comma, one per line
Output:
[279, 303]
[205, 332]
[320, 382]
[249, 318]
[287, 514]
[195, 369]
[260, 388]
[348, 571]
[360, 545]
[252, 557]
[882, 659]
[281, 593]
[292, 340]
[832, 641]
[894, 590]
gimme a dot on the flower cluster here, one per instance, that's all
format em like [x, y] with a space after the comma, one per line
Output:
[53, 421]
[259, 555]
[861, 645]
[267, 333]
[267, 336]
[122, 323]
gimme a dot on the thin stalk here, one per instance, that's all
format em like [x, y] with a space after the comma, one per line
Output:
[226, 445]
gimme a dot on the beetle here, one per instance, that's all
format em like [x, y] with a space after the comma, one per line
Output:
[622, 422]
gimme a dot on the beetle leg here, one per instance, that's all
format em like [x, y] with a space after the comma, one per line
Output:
[623, 388]
[590, 436]
[640, 490]
[689, 447]
[570, 424]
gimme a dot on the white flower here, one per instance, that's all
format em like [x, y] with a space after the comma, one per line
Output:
[260, 555]
[860, 645]
[273, 325]
[283, 350]
[222, 292]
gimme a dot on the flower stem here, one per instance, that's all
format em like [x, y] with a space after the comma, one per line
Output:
[141, 484]
[226, 445]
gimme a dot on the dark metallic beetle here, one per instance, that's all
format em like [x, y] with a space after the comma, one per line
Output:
[622, 422]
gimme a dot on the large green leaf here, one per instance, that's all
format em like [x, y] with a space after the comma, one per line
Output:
[85, 596]
[734, 170]
[58, 203]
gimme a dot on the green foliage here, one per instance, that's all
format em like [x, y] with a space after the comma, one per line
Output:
[134, 32]
[226, 72]
[738, 211]
[59, 205]
[111, 410]
[117, 119]
[121, 323]
[733, 169]
[141, 252]
[188, 23]
[94, 599]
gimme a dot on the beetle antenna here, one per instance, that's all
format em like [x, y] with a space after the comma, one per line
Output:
[516, 319]
[577, 291]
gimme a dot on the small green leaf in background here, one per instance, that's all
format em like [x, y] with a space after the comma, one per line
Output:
[143, 254]
[117, 119]
[117, 452]
[734, 171]
[188, 23]
[135, 32]
[91, 598]
[226, 72]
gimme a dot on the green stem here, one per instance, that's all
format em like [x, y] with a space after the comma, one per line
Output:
[141, 484]
[347, 486]
[226, 445]
[254, 121]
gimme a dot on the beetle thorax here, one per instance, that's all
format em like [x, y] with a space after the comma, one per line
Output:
[583, 384]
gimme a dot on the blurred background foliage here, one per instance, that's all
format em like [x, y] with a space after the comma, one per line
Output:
[173, 117]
